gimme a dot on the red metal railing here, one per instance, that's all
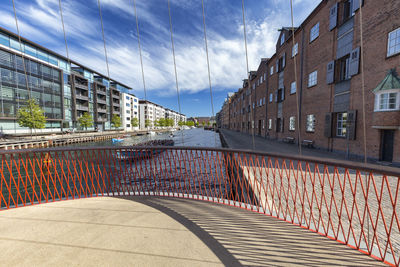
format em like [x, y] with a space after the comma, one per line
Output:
[355, 204]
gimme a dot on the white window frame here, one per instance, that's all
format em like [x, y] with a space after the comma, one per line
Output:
[292, 123]
[271, 72]
[269, 124]
[341, 124]
[393, 42]
[314, 32]
[313, 79]
[282, 39]
[271, 97]
[310, 123]
[389, 94]
[295, 49]
[293, 88]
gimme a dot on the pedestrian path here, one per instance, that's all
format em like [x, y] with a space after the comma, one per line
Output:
[156, 231]
[238, 140]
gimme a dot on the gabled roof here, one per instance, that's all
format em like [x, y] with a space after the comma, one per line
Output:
[390, 82]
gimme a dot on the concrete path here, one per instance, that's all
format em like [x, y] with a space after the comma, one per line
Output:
[155, 231]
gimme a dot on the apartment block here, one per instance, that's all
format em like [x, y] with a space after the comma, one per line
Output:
[63, 88]
[129, 111]
[322, 82]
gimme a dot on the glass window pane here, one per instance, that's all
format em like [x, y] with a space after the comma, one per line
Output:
[15, 44]
[4, 40]
[30, 50]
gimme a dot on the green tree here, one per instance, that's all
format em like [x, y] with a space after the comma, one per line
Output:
[190, 123]
[147, 123]
[116, 121]
[135, 122]
[181, 123]
[170, 122]
[31, 116]
[162, 122]
[208, 123]
[85, 120]
[203, 123]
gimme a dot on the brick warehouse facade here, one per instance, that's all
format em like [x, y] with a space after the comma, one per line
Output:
[329, 59]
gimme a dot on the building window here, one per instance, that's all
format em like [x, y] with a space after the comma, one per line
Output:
[264, 101]
[386, 101]
[343, 69]
[310, 123]
[292, 123]
[313, 78]
[293, 88]
[271, 96]
[269, 124]
[295, 49]
[341, 125]
[394, 42]
[128, 126]
[271, 70]
[127, 97]
[314, 32]
[282, 39]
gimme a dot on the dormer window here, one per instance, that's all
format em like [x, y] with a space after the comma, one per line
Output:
[282, 38]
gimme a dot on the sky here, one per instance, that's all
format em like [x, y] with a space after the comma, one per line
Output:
[40, 21]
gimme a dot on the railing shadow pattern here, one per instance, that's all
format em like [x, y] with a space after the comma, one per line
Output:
[355, 204]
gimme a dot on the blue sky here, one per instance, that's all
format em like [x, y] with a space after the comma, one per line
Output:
[40, 22]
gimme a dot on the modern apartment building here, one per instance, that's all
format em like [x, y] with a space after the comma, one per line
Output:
[152, 112]
[64, 89]
[129, 110]
[323, 100]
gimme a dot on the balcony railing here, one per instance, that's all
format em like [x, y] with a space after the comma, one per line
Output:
[355, 204]
[81, 97]
[81, 107]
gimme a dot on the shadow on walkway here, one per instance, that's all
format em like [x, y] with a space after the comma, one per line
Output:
[241, 237]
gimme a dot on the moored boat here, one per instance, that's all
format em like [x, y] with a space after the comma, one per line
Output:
[149, 151]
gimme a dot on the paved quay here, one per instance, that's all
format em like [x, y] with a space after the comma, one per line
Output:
[238, 140]
[156, 231]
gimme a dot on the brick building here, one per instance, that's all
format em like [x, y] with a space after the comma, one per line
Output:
[326, 90]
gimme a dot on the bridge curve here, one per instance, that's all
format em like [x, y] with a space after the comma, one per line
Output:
[150, 230]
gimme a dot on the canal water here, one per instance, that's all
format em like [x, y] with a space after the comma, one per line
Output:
[196, 137]
[49, 176]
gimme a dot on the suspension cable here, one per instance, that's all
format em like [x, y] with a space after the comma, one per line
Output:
[104, 42]
[295, 80]
[363, 98]
[65, 36]
[140, 49]
[66, 43]
[173, 54]
[208, 66]
[247, 68]
[22, 52]
[363, 84]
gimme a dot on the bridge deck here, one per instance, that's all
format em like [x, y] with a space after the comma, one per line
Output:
[160, 231]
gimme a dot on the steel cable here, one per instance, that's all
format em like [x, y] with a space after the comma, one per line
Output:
[173, 55]
[247, 68]
[208, 66]
[295, 79]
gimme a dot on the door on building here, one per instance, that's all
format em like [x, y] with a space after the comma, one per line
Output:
[259, 127]
[387, 144]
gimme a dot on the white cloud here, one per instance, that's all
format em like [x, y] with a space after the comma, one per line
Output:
[227, 55]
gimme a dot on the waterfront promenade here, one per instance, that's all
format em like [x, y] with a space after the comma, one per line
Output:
[243, 141]
[156, 231]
